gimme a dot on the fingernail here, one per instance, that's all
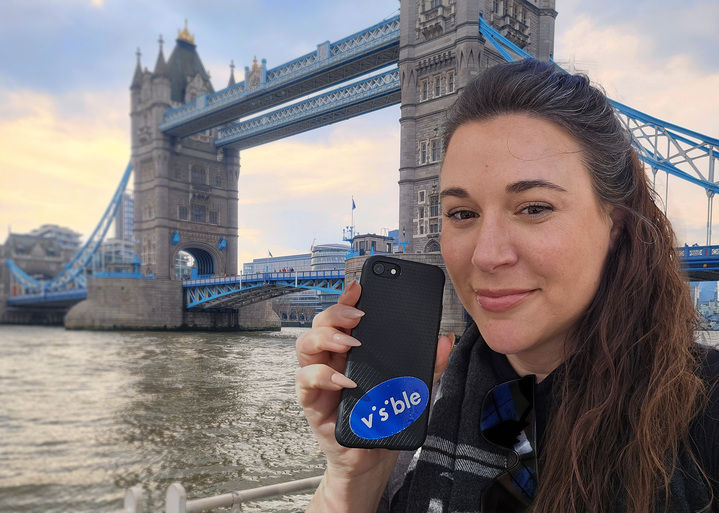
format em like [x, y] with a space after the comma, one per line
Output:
[353, 313]
[346, 340]
[342, 380]
[349, 287]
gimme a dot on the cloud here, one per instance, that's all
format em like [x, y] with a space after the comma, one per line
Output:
[299, 189]
[61, 157]
[674, 87]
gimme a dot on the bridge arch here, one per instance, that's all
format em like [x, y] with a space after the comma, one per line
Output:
[207, 259]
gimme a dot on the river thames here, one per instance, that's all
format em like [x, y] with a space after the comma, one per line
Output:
[85, 415]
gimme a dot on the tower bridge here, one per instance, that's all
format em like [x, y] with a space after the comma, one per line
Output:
[186, 139]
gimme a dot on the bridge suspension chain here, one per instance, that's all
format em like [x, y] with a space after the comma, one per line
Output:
[73, 274]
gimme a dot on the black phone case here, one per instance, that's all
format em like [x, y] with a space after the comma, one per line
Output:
[399, 338]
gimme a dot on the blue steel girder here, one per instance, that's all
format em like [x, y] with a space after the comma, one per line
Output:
[343, 103]
[49, 299]
[700, 263]
[331, 64]
[678, 151]
[238, 291]
[73, 273]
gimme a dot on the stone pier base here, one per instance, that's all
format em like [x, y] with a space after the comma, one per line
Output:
[256, 317]
[140, 304]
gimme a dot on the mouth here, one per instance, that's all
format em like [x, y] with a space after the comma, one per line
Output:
[501, 300]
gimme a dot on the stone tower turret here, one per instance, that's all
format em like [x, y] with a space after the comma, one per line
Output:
[185, 190]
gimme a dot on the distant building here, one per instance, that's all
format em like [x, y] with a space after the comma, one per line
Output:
[371, 243]
[707, 291]
[63, 236]
[300, 262]
[39, 256]
[328, 257]
[125, 218]
[114, 255]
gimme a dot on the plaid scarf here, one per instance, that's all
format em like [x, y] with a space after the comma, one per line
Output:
[456, 463]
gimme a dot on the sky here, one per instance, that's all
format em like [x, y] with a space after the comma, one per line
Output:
[64, 105]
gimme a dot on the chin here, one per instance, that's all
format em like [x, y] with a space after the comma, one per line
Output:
[504, 341]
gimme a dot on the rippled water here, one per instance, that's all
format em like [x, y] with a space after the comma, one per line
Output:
[85, 415]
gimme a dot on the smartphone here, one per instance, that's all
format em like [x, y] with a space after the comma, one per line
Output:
[394, 366]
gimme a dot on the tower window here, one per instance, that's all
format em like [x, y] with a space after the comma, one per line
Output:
[435, 150]
[450, 82]
[198, 213]
[182, 213]
[198, 175]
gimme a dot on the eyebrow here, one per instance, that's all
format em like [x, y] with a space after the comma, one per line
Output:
[525, 185]
[457, 192]
[512, 188]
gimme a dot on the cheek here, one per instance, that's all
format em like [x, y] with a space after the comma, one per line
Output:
[456, 250]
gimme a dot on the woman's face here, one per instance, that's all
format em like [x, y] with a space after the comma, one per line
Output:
[524, 236]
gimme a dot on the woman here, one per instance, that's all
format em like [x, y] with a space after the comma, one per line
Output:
[568, 270]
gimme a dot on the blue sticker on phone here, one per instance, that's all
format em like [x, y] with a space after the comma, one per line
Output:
[389, 407]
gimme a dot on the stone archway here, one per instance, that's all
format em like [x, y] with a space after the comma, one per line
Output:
[432, 247]
[204, 262]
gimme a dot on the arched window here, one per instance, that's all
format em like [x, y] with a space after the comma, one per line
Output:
[198, 175]
[432, 247]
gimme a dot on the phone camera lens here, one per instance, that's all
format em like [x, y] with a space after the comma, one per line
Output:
[378, 268]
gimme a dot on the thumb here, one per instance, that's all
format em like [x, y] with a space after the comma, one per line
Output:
[444, 348]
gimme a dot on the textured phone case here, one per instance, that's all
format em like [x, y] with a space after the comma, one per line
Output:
[399, 339]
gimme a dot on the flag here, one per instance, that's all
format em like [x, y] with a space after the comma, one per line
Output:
[270, 252]
[353, 204]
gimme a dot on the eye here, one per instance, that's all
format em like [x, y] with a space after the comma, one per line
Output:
[460, 215]
[536, 209]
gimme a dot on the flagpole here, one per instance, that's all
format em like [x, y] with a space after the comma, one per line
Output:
[352, 226]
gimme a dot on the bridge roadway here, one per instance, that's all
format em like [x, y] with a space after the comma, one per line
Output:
[331, 64]
[700, 263]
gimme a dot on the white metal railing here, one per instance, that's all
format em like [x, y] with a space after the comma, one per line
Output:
[176, 498]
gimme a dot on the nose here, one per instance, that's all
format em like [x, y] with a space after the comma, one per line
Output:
[494, 247]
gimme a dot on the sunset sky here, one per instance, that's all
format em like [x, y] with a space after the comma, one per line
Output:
[64, 104]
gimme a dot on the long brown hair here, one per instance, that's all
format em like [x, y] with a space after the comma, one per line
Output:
[628, 389]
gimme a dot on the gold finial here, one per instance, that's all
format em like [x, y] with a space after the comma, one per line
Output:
[185, 35]
[254, 64]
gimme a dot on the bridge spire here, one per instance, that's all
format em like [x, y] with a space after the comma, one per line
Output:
[161, 67]
[137, 77]
[185, 35]
[232, 74]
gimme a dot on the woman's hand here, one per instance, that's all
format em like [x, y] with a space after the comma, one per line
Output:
[355, 478]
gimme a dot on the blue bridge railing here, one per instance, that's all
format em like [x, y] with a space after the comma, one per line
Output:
[240, 290]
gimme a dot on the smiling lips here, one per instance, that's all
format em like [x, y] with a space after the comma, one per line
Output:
[500, 300]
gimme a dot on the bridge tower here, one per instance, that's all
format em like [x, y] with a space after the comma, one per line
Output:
[185, 190]
[440, 52]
